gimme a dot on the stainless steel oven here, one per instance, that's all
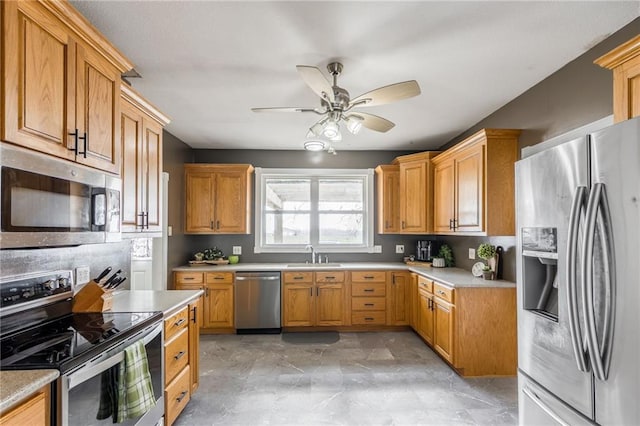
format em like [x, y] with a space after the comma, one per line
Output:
[80, 389]
[49, 202]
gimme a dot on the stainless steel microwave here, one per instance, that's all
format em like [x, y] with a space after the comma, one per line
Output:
[46, 202]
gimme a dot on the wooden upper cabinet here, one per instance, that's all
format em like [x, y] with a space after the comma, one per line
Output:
[388, 192]
[61, 84]
[624, 61]
[218, 199]
[141, 140]
[474, 185]
[416, 193]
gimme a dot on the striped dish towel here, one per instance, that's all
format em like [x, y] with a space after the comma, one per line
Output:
[135, 390]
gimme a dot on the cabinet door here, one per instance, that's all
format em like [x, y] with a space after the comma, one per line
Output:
[297, 305]
[443, 196]
[231, 203]
[199, 202]
[469, 178]
[443, 330]
[195, 314]
[388, 181]
[131, 131]
[151, 171]
[97, 111]
[413, 197]
[398, 303]
[425, 316]
[38, 73]
[218, 311]
[330, 304]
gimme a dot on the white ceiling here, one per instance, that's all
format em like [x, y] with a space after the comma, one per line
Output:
[206, 63]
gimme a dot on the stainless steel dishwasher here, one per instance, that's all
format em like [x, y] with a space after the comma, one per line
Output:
[257, 302]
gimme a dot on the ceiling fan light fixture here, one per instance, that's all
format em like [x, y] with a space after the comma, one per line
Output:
[354, 124]
[314, 145]
[331, 130]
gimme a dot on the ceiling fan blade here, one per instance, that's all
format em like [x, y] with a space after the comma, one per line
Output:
[286, 109]
[387, 94]
[373, 122]
[317, 82]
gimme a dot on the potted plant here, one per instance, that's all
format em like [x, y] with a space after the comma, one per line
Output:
[213, 254]
[488, 252]
[447, 254]
[487, 273]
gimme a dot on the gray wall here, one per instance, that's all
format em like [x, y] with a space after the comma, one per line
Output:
[577, 94]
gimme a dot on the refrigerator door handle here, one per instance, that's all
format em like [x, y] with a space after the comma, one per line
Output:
[531, 394]
[572, 293]
[597, 207]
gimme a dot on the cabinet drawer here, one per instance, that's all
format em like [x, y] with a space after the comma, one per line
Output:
[297, 277]
[175, 323]
[425, 284]
[190, 277]
[368, 303]
[177, 395]
[330, 277]
[443, 292]
[368, 276]
[32, 412]
[219, 277]
[363, 317]
[176, 355]
[368, 289]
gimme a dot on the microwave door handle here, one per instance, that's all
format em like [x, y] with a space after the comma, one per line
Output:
[609, 272]
[587, 282]
[572, 293]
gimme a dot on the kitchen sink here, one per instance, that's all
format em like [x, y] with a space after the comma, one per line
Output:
[314, 265]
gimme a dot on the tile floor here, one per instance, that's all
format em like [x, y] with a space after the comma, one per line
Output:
[382, 378]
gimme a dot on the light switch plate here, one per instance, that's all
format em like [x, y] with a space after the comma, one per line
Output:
[472, 253]
[82, 275]
[377, 249]
[237, 249]
[169, 231]
[399, 248]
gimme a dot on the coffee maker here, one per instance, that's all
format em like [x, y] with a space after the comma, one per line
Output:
[427, 250]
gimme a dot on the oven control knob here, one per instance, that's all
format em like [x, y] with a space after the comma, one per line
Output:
[27, 294]
[63, 282]
[49, 285]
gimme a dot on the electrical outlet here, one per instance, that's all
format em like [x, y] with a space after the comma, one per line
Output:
[237, 249]
[472, 253]
[399, 248]
[82, 275]
[377, 249]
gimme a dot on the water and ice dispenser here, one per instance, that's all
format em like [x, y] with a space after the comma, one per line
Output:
[540, 271]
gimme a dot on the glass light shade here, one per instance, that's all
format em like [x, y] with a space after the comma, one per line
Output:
[316, 129]
[331, 130]
[314, 145]
[354, 125]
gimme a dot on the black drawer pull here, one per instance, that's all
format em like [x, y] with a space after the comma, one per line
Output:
[188, 278]
[180, 355]
[369, 277]
[179, 323]
[298, 278]
[368, 319]
[369, 290]
[182, 395]
[330, 277]
[218, 278]
[368, 304]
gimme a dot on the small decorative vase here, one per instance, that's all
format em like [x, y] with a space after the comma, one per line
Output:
[487, 275]
[493, 263]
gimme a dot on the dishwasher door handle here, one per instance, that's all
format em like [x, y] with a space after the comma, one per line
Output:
[257, 278]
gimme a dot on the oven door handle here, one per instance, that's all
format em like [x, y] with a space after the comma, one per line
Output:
[86, 372]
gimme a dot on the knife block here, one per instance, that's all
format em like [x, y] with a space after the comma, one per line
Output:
[92, 298]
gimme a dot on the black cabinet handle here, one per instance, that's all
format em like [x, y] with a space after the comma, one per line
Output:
[368, 319]
[330, 277]
[188, 278]
[218, 278]
[182, 395]
[317, 291]
[85, 140]
[75, 141]
[368, 277]
[368, 304]
[211, 225]
[311, 290]
[141, 221]
[298, 278]
[217, 224]
[180, 355]
[369, 290]
[195, 314]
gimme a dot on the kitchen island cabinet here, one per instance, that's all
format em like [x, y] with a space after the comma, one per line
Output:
[25, 397]
[181, 339]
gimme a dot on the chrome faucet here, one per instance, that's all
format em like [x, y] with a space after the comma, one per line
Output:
[313, 253]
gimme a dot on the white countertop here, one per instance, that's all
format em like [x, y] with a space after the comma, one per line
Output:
[454, 277]
[165, 301]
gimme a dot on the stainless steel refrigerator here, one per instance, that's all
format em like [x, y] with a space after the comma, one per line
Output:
[578, 263]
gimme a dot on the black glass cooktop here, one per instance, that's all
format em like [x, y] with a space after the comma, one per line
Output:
[70, 340]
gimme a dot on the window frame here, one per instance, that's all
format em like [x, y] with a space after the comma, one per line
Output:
[368, 211]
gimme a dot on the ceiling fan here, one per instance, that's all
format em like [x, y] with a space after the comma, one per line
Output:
[336, 105]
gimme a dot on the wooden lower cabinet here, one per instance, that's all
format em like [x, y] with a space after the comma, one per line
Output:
[313, 299]
[369, 298]
[195, 320]
[177, 376]
[217, 304]
[34, 411]
[398, 303]
[176, 396]
[472, 328]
